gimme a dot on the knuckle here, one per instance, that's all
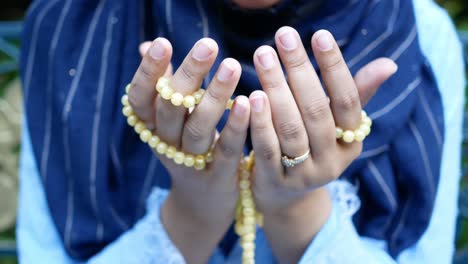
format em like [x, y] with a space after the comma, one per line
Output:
[272, 83]
[334, 63]
[296, 63]
[317, 110]
[290, 130]
[215, 95]
[194, 132]
[267, 152]
[188, 72]
[227, 149]
[147, 71]
[235, 128]
[136, 98]
[348, 101]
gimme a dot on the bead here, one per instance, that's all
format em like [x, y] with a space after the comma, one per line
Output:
[125, 100]
[339, 132]
[229, 104]
[198, 95]
[259, 219]
[246, 193]
[189, 160]
[177, 99]
[139, 127]
[367, 121]
[247, 203]
[166, 93]
[162, 83]
[239, 228]
[248, 256]
[127, 111]
[161, 147]
[348, 136]
[153, 142]
[359, 135]
[248, 245]
[128, 87]
[248, 212]
[366, 129]
[145, 135]
[363, 114]
[248, 237]
[199, 163]
[189, 101]
[132, 120]
[179, 157]
[249, 220]
[170, 152]
[244, 184]
[209, 157]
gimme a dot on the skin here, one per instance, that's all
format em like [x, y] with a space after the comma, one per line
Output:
[258, 4]
[286, 118]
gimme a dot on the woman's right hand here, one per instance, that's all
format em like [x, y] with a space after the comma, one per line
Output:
[201, 204]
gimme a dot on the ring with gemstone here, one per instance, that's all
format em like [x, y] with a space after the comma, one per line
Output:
[289, 162]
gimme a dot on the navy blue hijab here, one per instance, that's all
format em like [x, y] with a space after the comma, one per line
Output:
[78, 55]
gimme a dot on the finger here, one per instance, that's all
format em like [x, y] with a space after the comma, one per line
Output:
[144, 47]
[265, 142]
[169, 71]
[201, 124]
[153, 65]
[287, 119]
[370, 77]
[230, 146]
[344, 97]
[307, 90]
[186, 80]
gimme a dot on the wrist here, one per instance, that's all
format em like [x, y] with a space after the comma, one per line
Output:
[291, 229]
[195, 235]
[311, 204]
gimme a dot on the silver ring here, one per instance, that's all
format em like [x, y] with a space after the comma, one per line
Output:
[289, 162]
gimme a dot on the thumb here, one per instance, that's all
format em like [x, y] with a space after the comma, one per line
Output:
[370, 77]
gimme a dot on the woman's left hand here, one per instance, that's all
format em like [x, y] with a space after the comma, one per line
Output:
[290, 117]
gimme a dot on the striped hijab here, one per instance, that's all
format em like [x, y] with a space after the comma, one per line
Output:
[78, 56]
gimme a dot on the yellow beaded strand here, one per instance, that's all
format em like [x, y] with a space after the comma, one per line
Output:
[198, 162]
[247, 216]
[364, 129]
[178, 99]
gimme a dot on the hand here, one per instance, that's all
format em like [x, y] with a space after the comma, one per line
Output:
[201, 204]
[289, 118]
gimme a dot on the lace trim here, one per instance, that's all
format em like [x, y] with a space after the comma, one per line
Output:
[162, 249]
[344, 195]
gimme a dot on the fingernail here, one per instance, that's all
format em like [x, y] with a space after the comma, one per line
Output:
[225, 72]
[157, 51]
[240, 106]
[144, 47]
[266, 59]
[202, 51]
[324, 40]
[288, 40]
[394, 67]
[257, 103]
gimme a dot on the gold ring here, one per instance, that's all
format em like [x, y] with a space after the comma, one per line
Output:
[289, 162]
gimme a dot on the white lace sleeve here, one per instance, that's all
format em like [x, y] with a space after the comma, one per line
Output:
[338, 241]
[146, 242]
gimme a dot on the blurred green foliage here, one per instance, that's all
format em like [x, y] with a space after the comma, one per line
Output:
[458, 10]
